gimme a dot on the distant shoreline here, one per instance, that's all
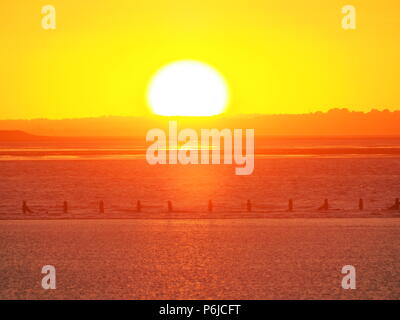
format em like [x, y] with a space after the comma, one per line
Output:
[384, 214]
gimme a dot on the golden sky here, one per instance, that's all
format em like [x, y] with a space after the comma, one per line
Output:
[277, 56]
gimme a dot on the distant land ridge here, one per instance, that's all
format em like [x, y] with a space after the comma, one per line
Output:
[17, 135]
[335, 122]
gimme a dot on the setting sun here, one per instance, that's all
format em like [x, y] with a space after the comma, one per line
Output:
[188, 88]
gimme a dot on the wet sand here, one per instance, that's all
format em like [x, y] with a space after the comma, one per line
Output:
[200, 258]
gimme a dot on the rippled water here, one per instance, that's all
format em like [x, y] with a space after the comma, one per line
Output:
[201, 259]
[120, 183]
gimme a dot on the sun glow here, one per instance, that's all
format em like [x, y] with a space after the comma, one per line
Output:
[188, 88]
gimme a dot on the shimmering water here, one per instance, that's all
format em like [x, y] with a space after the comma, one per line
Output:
[201, 259]
[120, 183]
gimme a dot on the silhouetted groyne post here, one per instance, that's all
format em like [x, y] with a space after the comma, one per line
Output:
[25, 208]
[101, 206]
[290, 205]
[138, 206]
[65, 207]
[396, 205]
[325, 206]
[361, 204]
[169, 203]
[248, 206]
[210, 206]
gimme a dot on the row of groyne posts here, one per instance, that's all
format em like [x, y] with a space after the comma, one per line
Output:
[210, 208]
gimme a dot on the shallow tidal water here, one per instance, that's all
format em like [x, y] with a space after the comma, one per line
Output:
[45, 184]
[200, 259]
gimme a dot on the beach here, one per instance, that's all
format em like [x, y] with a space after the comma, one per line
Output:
[200, 258]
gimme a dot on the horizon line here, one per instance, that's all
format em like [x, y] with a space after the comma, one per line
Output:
[222, 115]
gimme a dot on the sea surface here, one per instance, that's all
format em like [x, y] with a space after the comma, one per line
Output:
[201, 259]
[45, 184]
[190, 253]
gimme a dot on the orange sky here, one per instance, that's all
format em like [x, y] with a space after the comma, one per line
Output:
[286, 56]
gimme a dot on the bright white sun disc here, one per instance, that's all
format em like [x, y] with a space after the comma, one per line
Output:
[188, 88]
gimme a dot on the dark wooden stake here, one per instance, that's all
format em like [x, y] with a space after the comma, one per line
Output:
[25, 208]
[290, 206]
[101, 206]
[210, 206]
[396, 205]
[248, 206]
[65, 207]
[325, 206]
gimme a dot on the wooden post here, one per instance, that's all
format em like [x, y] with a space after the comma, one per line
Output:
[361, 204]
[169, 203]
[396, 205]
[138, 206]
[210, 206]
[325, 206]
[65, 207]
[101, 206]
[25, 208]
[290, 206]
[248, 206]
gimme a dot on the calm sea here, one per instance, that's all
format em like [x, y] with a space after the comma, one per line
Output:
[201, 259]
[307, 170]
